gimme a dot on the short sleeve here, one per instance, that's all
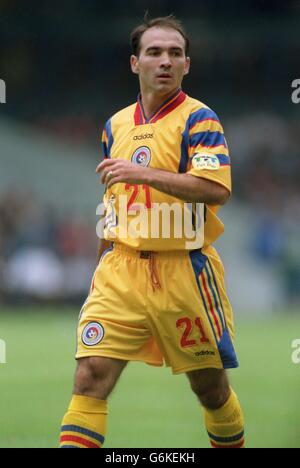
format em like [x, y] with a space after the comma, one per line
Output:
[107, 140]
[207, 148]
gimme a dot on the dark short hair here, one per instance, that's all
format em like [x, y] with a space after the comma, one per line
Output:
[164, 22]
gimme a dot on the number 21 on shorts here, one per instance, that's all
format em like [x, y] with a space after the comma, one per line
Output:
[188, 325]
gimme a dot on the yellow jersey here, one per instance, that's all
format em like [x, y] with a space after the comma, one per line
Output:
[183, 136]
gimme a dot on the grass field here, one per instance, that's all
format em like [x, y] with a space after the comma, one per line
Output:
[150, 407]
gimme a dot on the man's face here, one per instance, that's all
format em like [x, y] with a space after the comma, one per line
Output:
[162, 63]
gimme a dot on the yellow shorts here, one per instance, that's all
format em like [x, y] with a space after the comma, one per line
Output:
[167, 306]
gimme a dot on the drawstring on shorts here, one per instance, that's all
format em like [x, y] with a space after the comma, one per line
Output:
[152, 257]
[154, 273]
[153, 268]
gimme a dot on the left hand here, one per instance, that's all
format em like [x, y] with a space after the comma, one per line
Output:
[114, 171]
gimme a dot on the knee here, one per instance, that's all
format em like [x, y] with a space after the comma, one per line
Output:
[212, 390]
[90, 376]
[97, 376]
[214, 399]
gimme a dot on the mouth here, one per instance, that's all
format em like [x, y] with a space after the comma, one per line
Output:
[164, 76]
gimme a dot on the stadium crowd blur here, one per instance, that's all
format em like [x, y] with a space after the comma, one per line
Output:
[43, 256]
[67, 66]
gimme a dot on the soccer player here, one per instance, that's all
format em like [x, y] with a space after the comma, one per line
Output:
[158, 295]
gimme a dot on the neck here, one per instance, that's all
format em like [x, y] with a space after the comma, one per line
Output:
[152, 100]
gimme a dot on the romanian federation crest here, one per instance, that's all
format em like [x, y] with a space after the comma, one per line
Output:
[92, 334]
[142, 156]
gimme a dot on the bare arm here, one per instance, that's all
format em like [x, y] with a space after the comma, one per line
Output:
[187, 187]
[183, 186]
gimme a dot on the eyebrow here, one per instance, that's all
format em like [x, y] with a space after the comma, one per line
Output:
[157, 48]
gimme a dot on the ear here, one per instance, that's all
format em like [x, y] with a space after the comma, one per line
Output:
[134, 63]
[187, 65]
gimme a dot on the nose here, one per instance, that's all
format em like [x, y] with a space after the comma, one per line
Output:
[165, 61]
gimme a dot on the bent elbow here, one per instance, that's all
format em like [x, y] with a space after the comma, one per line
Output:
[220, 197]
[224, 196]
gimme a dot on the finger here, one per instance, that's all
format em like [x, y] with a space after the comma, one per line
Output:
[114, 180]
[103, 176]
[110, 175]
[104, 172]
[101, 166]
[105, 163]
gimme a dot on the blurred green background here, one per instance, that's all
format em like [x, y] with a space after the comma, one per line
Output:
[66, 69]
[150, 407]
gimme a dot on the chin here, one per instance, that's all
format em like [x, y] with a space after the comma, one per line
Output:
[165, 88]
